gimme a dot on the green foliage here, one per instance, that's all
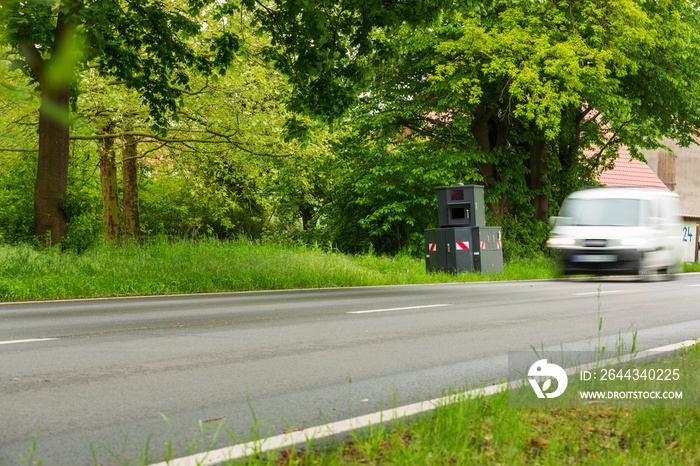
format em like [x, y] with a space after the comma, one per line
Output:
[83, 207]
[523, 88]
[454, 93]
[145, 45]
[385, 195]
[523, 239]
[170, 205]
[580, 74]
[321, 45]
[225, 170]
[18, 158]
[695, 267]
[16, 206]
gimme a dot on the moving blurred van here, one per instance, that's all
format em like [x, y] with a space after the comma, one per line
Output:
[617, 231]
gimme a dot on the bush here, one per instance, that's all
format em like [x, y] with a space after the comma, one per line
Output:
[169, 207]
[16, 200]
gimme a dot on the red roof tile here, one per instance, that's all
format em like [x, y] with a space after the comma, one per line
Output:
[630, 172]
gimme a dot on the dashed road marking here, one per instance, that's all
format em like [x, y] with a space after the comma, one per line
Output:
[32, 340]
[389, 309]
[590, 293]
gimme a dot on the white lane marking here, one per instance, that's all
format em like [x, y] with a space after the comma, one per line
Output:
[398, 309]
[278, 442]
[33, 340]
[693, 285]
[601, 292]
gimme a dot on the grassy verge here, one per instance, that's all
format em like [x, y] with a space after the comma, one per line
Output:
[488, 431]
[485, 431]
[164, 267]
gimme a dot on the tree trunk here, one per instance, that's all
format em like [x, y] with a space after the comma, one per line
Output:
[483, 137]
[110, 189]
[130, 184]
[54, 77]
[51, 185]
[306, 215]
[538, 167]
[480, 131]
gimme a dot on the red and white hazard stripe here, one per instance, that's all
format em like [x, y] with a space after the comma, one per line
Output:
[431, 247]
[483, 245]
[499, 245]
[462, 245]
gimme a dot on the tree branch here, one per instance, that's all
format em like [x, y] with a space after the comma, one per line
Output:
[153, 136]
[184, 140]
[2, 149]
[33, 57]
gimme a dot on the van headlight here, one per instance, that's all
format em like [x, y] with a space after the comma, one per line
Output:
[559, 241]
[633, 242]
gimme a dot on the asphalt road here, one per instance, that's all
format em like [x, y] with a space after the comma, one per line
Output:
[113, 376]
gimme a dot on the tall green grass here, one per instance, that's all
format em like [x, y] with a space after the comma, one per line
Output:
[163, 266]
[486, 431]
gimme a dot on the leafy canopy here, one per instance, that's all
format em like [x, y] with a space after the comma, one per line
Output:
[145, 44]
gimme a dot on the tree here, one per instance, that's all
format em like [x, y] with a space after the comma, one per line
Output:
[524, 87]
[323, 46]
[18, 159]
[384, 195]
[319, 44]
[520, 89]
[556, 78]
[143, 44]
[226, 146]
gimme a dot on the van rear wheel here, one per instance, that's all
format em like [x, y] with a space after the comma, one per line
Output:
[672, 272]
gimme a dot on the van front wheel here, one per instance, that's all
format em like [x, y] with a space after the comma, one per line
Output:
[643, 272]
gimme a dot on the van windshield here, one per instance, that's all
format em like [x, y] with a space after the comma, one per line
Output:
[604, 212]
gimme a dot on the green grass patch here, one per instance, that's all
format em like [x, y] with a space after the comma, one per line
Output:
[695, 267]
[167, 267]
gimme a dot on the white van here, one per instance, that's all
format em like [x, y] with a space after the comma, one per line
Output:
[617, 231]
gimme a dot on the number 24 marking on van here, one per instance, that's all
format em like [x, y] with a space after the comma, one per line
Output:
[687, 235]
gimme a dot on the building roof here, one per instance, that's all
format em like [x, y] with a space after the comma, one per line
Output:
[630, 172]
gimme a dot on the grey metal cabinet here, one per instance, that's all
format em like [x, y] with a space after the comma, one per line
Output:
[463, 243]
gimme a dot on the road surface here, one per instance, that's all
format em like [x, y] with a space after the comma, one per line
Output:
[114, 376]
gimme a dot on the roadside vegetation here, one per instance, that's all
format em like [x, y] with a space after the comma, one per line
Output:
[487, 431]
[165, 266]
[691, 267]
[257, 134]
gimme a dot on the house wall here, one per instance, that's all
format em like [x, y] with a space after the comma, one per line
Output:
[687, 174]
[689, 240]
